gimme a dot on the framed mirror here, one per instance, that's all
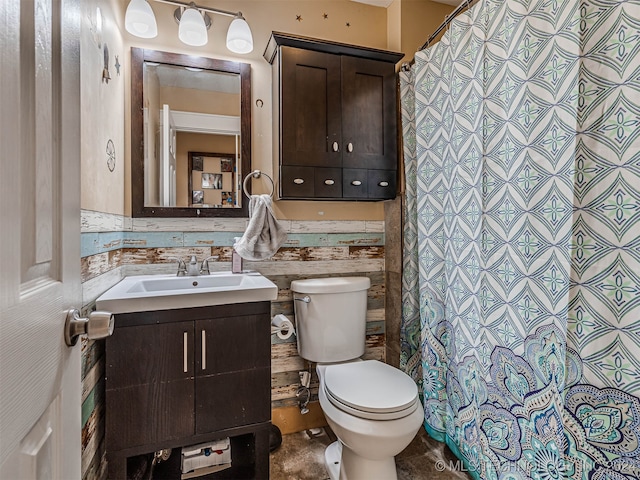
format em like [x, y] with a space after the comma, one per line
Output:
[189, 112]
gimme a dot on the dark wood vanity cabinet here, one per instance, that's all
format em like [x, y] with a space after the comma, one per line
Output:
[335, 119]
[176, 378]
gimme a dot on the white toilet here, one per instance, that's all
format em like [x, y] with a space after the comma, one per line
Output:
[373, 408]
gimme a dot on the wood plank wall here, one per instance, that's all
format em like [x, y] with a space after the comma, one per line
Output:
[115, 246]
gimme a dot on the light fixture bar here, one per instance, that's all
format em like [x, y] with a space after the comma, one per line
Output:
[206, 9]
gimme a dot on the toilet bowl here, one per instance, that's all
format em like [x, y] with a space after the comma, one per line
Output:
[373, 408]
[373, 421]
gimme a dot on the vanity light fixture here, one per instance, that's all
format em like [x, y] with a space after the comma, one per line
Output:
[193, 21]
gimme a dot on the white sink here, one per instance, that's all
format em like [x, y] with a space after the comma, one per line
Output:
[142, 293]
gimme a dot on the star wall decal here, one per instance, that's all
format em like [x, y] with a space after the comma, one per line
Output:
[325, 16]
[348, 24]
[117, 65]
[299, 18]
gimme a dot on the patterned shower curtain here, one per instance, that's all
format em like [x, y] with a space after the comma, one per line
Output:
[521, 282]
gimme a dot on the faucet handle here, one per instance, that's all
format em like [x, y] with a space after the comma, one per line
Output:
[182, 267]
[204, 269]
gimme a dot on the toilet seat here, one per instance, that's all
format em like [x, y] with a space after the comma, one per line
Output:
[371, 389]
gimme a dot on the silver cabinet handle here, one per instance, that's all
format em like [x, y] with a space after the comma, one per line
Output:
[357, 183]
[384, 184]
[329, 182]
[97, 325]
[335, 146]
[204, 350]
[298, 181]
[185, 349]
[349, 147]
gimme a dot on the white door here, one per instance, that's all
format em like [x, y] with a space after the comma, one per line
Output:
[40, 238]
[167, 158]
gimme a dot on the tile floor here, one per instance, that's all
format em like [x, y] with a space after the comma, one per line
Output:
[301, 457]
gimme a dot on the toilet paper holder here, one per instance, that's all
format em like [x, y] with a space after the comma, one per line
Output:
[282, 327]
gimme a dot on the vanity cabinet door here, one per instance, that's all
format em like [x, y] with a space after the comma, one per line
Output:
[233, 372]
[149, 384]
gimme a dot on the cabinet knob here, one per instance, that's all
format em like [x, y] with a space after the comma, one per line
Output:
[349, 147]
[357, 183]
[329, 182]
[298, 181]
[335, 146]
[384, 184]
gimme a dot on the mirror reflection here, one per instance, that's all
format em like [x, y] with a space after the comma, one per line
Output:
[194, 144]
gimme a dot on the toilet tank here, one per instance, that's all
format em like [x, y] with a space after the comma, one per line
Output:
[331, 317]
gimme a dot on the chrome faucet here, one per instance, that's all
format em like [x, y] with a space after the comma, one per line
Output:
[204, 269]
[192, 267]
[182, 268]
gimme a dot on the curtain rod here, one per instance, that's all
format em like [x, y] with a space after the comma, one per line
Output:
[466, 4]
[447, 20]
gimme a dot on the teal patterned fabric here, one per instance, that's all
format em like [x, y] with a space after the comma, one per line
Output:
[521, 289]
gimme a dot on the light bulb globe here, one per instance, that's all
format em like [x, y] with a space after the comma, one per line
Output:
[139, 19]
[192, 29]
[239, 37]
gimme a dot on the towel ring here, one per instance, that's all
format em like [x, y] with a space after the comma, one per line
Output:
[257, 174]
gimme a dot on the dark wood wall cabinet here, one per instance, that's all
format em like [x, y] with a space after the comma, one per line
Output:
[335, 119]
[176, 378]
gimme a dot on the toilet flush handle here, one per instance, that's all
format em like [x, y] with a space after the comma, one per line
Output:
[305, 299]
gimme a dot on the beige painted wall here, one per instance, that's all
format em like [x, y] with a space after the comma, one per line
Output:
[420, 18]
[102, 111]
[411, 22]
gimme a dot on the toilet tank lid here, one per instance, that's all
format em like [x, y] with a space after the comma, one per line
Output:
[331, 285]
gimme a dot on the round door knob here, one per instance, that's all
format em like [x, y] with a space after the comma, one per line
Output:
[350, 147]
[298, 181]
[97, 325]
[329, 182]
[357, 183]
[335, 146]
[384, 184]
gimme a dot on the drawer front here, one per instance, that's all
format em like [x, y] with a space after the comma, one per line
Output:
[327, 182]
[355, 183]
[382, 184]
[310, 182]
[296, 182]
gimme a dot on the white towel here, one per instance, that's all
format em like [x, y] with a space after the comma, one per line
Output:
[264, 234]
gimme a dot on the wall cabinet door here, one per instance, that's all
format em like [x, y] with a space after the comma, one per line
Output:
[369, 123]
[150, 384]
[310, 102]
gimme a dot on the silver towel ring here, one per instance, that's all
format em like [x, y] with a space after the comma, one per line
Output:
[257, 174]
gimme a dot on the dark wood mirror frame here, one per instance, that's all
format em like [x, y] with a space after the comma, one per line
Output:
[138, 57]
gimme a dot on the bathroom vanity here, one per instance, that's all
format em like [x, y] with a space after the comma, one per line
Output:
[176, 378]
[180, 377]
